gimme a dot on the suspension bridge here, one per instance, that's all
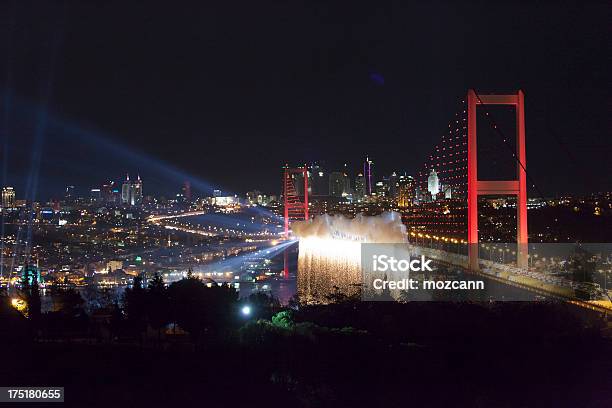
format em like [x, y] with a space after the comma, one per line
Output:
[442, 218]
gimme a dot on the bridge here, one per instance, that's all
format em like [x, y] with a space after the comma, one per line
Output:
[442, 214]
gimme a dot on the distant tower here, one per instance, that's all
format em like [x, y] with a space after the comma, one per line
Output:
[136, 196]
[125, 190]
[339, 185]
[69, 194]
[433, 183]
[367, 174]
[360, 188]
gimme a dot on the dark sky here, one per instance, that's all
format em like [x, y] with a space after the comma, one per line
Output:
[224, 93]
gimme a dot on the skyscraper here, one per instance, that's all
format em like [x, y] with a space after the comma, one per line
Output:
[95, 194]
[360, 188]
[406, 191]
[433, 184]
[108, 192]
[394, 185]
[369, 177]
[136, 198]
[319, 181]
[339, 184]
[69, 194]
[131, 191]
[125, 190]
[8, 197]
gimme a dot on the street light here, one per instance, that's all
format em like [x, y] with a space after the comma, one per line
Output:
[246, 310]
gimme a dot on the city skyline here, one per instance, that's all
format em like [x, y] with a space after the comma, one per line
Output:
[72, 117]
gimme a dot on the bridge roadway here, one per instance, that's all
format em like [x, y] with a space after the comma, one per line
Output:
[155, 218]
[538, 282]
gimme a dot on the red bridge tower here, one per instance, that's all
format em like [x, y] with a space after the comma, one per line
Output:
[516, 187]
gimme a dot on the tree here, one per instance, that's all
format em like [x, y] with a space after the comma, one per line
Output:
[263, 305]
[157, 304]
[283, 319]
[198, 308]
[67, 301]
[135, 306]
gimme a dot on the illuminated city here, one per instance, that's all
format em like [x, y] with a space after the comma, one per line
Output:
[306, 205]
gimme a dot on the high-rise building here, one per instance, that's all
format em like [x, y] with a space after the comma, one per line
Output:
[298, 183]
[136, 198]
[125, 190]
[253, 197]
[433, 183]
[8, 197]
[368, 175]
[131, 191]
[360, 188]
[406, 191]
[394, 185]
[319, 181]
[95, 194]
[69, 194]
[381, 188]
[339, 184]
[107, 192]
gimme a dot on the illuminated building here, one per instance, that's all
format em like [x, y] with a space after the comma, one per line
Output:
[433, 184]
[298, 181]
[225, 201]
[136, 194]
[393, 185]
[339, 184]
[8, 197]
[406, 191]
[108, 192]
[69, 194]
[258, 198]
[319, 181]
[112, 266]
[125, 191]
[131, 191]
[360, 188]
[367, 174]
[254, 197]
[382, 187]
[95, 194]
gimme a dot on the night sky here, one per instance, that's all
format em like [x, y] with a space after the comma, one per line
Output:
[224, 94]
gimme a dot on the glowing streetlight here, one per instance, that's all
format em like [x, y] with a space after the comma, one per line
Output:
[246, 310]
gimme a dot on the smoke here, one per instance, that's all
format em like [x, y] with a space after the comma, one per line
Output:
[384, 228]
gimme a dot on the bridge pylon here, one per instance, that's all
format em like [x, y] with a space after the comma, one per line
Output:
[294, 207]
[517, 187]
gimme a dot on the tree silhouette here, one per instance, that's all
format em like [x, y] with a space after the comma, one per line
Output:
[263, 305]
[67, 301]
[197, 308]
[157, 304]
[135, 306]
